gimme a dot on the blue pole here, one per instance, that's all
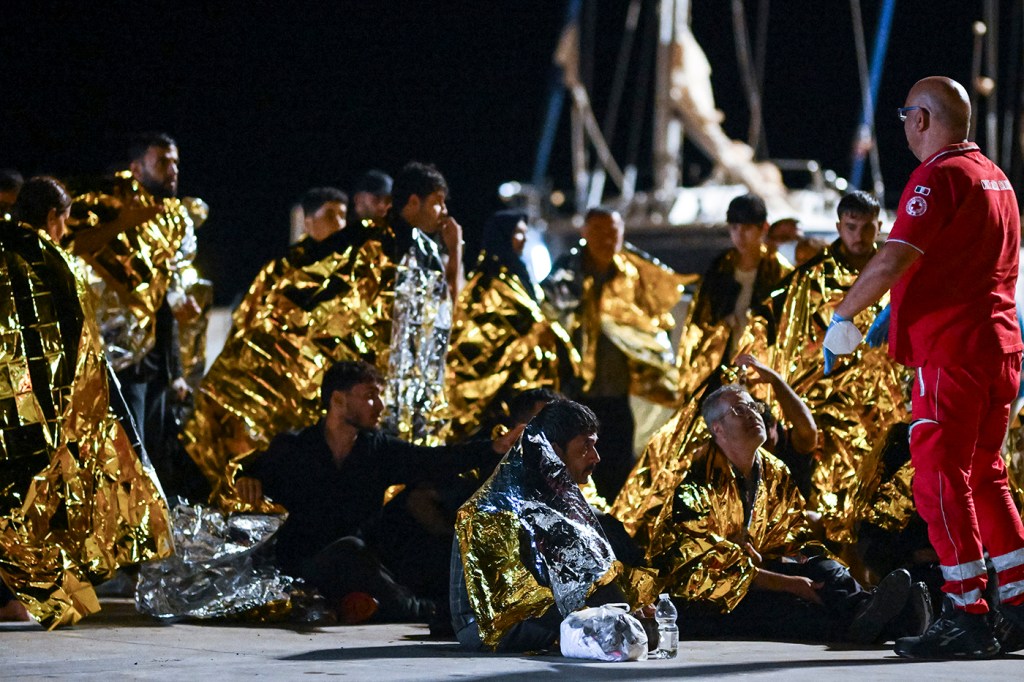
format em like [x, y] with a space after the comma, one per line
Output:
[877, 63]
[556, 97]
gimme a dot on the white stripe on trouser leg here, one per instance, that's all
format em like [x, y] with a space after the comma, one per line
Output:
[972, 569]
[1011, 590]
[920, 380]
[1008, 560]
[956, 552]
[963, 600]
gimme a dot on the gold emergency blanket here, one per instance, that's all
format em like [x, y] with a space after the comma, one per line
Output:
[415, 408]
[139, 267]
[699, 540]
[502, 344]
[856, 405]
[1013, 453]
[666, 459]
[712, 329]
[529, 541]
[885, 496]
[297, 320]
[76, 501]
[634, 312]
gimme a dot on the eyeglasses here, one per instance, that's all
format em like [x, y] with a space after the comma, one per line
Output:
[747, 407]
[902, 112]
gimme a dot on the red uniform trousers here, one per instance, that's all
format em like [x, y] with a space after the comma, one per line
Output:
[960, 488]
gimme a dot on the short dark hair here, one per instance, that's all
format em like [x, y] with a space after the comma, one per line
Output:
[10, 179]
[562, 420]
[316, 197]
[38, 196]
[375, 182]
[746, 209]
[341, 376]
[859, 202]
[598, 212]
[521, 407]
[421, 179]
[141, 142]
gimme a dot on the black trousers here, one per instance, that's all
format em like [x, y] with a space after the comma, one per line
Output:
[348, 565]
[615, 443]
[780, 615]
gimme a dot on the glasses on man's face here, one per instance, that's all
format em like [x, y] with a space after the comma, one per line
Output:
[744, 407]
[903, 111]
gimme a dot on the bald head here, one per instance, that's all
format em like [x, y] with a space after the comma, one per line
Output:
[944, 116]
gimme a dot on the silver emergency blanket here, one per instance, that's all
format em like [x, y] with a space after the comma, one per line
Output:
[420, 329]
[529, 539]
[213, 572]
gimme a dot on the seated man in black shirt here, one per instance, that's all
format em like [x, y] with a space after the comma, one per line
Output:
[332, 476]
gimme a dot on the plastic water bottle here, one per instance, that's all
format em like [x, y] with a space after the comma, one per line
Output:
[668, 632]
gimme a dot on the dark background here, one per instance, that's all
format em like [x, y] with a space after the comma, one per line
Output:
[267, 99]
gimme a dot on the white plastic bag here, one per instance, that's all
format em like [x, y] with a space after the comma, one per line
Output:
[603, 633]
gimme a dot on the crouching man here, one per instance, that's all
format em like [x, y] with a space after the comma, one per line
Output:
[740, 559]
[531, 550]
[332, 476]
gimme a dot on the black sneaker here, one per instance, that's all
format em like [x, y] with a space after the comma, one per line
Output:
[955, 634]
[884, 604]
[917, 614]
[1008, 625]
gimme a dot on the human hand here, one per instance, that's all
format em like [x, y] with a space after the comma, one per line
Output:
[761, 373]
[188, 310]
[754, 554]
[878, 332]
[805, 588]
[645, 611]
[451, 235]
[841, 338]
[502, 444]
[181, 389]
[249, 489]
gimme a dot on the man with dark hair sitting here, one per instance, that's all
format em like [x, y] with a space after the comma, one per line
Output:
[740, 558]
[332, 476]
[530, 549]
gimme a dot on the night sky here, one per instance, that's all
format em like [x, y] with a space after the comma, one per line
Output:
[267, 99]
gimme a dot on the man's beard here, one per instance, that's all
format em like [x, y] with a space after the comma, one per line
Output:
[157, 188]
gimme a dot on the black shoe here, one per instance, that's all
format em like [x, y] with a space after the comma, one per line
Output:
[956, 634]
[884, 604]
[917, 614]
[1008, 625]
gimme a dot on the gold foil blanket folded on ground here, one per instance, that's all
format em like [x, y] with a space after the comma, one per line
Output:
[218, 568]
[76, 501]
[502, 345]
[137, 268]
[699, 540]
[298, 321]
[529, 541]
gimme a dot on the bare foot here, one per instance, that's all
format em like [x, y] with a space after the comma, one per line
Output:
[13, 611]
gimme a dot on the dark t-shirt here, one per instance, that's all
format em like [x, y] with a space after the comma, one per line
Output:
[326, 501]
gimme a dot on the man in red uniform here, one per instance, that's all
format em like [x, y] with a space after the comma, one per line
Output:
[951, 261]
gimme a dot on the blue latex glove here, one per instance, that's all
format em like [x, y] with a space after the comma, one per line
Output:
[878, 332]
[830, 357]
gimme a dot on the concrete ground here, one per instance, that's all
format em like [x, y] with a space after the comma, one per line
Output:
[119, 643]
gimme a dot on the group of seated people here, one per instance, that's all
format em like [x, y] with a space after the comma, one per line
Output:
[496, 536]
